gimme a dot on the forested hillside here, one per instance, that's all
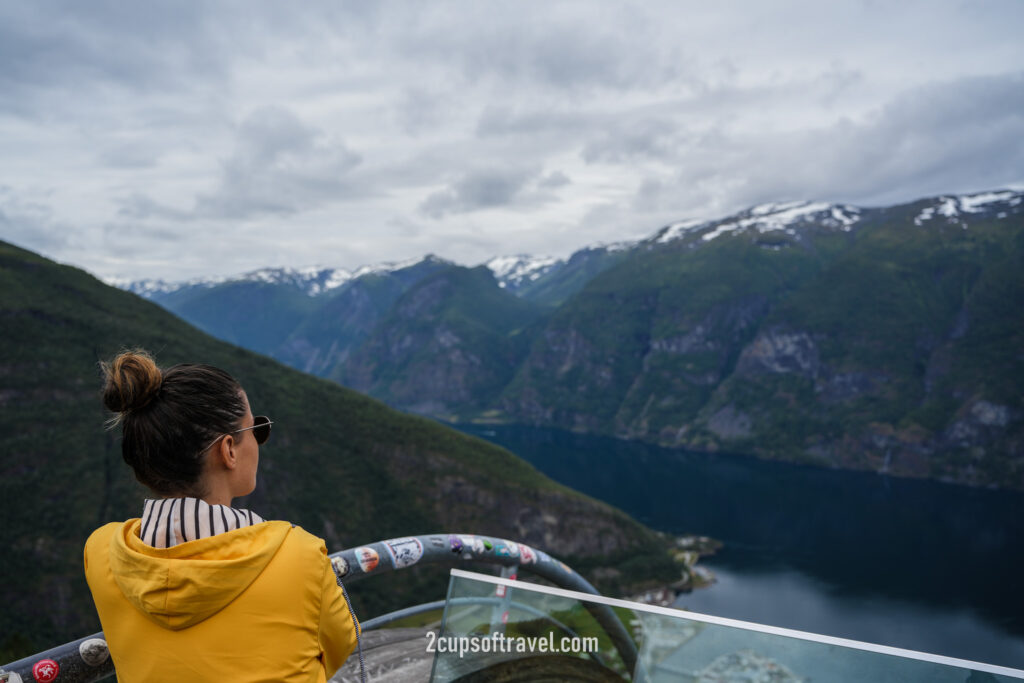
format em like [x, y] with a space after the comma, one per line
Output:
[340, 464]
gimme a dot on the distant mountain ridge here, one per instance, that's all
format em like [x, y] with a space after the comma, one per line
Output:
[873, 338]
[512, 272]
[311, 280]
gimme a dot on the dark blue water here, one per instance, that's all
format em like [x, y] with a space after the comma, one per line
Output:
[915, 564]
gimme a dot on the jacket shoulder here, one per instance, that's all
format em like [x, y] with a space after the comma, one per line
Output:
[305, 540]
[103, 534]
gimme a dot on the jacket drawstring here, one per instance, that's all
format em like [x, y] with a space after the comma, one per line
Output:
[359, 638]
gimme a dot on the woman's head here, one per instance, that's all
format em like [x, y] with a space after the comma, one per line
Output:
[171, 418]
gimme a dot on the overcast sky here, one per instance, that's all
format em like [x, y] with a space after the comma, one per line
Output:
[186, 139]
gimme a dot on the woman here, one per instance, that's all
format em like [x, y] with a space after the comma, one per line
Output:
[196, 589]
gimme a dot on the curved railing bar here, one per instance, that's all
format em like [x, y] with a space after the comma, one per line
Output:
[71, 662]
[357, 563]
[82, 661]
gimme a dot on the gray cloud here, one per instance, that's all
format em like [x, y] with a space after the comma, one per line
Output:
[483, 189]
[631, 140]
[554, 180]
[139, 206]
[609, 48]
[944, 137]
[71, 46]
[29, 223]
[505, 120]
[931, 139]
[279, 165]
[129, 156]
[374, 129]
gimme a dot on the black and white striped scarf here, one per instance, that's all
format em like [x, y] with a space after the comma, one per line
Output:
[169, 521]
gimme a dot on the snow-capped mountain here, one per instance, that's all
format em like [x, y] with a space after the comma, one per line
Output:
[312, 280]
[517, 272]
[788, 217]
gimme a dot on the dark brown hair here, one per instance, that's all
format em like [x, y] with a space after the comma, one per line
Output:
[169, 417]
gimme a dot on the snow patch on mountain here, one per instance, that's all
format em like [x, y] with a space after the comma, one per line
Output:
[771, 217]
[677, 230]
[516, 270]
[610, 247]
[150, 287]
[765, 218]
[392, 266]
[955, 207]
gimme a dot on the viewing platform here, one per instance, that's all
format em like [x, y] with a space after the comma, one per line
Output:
[501, 629]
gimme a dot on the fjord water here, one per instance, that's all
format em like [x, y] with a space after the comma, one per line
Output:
[921, 565]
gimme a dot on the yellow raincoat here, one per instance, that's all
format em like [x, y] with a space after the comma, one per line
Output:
[255, 604]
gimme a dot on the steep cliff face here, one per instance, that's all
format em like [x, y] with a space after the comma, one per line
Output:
[446, 342]
[323, 342]
[343, 318]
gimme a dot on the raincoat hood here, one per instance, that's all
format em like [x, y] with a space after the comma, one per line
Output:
[183, 585]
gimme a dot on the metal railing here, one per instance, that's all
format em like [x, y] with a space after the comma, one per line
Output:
[87, 659]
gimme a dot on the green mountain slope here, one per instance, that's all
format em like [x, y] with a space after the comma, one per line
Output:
[340, 464]
[256, 315]
[650, 337]
[890, 340]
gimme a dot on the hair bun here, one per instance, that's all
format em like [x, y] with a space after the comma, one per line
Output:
[132, 381]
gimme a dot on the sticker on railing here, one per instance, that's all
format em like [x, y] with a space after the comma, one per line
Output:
[473, 542]
[456, 543]
[368, 559]
[404, 551]
[437, 540]
[45, 670]
[340, 565]
[526, 554]
[10, 677]
[507, 549]
[94, 651]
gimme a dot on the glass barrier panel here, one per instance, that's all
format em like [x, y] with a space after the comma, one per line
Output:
[491, 627]
[496, 629]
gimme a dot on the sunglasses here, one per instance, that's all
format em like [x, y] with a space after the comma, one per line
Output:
[260, 428]
[260, 431]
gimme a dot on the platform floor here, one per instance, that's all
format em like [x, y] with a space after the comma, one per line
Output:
[391, 654]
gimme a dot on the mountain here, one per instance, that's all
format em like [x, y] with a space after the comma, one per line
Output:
[555, 285]
[516, 273]
[451, 338]
[341, 321]
[314, 319]
[885, 339]
[877, 338]
[340, 464]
